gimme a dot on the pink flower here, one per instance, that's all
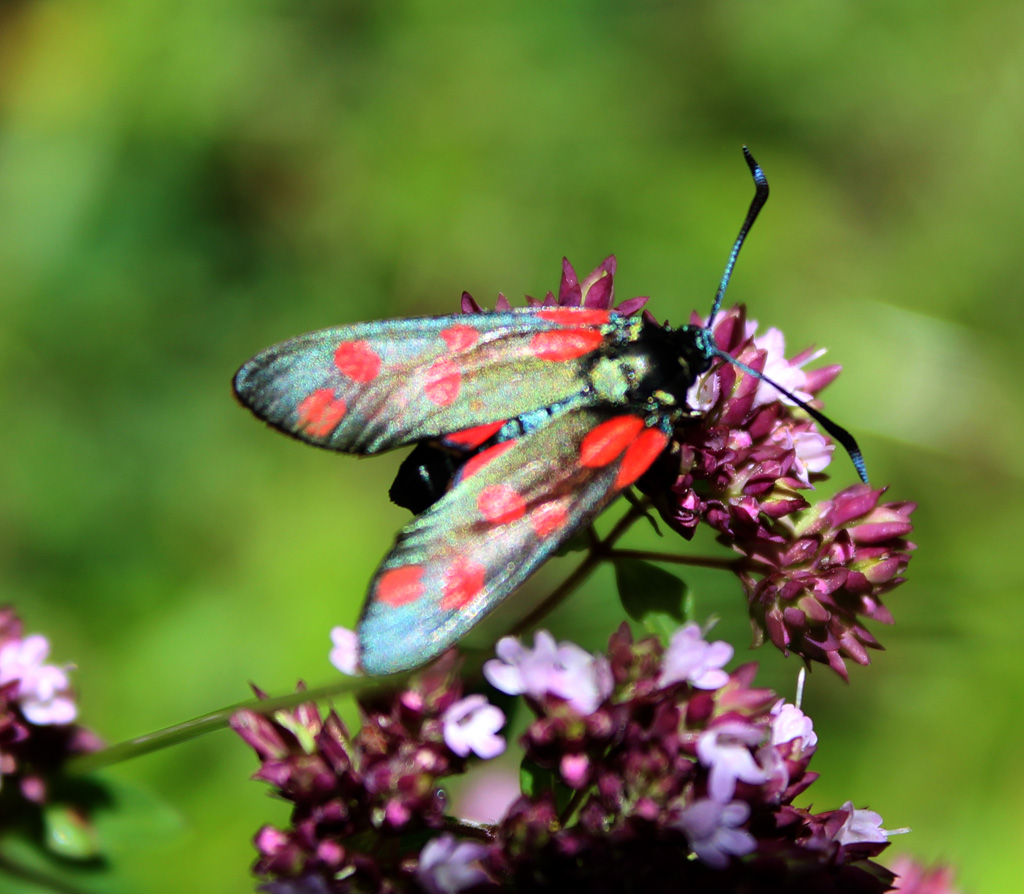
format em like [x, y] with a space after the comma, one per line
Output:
[562, 669]
[862, 826]
[448, 865]
[788, 373]
[913, 878]
[345, 654]
[725, 750]
[44, 690]
[692, 660]
[790, 724]
[713, 833]
[471, 724]
[487, 794]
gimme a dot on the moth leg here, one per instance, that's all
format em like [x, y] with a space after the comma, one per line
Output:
[643, 505]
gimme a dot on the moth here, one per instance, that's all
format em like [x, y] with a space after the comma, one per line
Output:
[527, 424]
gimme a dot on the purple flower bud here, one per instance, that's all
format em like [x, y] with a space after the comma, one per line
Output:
[690, 659]
[713, 833]
[595, 291]
[472, 725]
[575, 770]
[448, 865]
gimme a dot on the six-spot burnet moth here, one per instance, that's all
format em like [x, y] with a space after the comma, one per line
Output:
[527, 424]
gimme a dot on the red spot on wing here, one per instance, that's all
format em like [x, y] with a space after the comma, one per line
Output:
[443, 381]
[356, 360]
[565, 344]
[472, 438]
[320, 413]
[483, 458]
[548, 518]
[463, 582]
[460, 337]
[571, 316]
[500, 504]
[608, 441]
[400, 586]
[639, 456]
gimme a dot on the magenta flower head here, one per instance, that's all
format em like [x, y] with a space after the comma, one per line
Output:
[680, 775]
[38, 736]
[704, 771]
[808, 592]
[745, 464]
[596, 292]
[362, 803]
[747, 458]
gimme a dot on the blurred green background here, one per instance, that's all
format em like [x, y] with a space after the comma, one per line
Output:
[183, 184]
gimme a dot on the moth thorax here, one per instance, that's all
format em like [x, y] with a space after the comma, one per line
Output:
[622, 378]
[659, 364]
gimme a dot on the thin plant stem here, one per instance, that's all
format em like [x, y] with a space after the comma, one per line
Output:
[37, 878]
[574, 804]
[734, 565]
[600, 549]
[207, 723]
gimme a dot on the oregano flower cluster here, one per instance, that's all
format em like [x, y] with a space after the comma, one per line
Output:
[646, 768]
[746, 466]
[652, 766]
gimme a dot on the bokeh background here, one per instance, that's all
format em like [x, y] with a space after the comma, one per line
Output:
[184, 183]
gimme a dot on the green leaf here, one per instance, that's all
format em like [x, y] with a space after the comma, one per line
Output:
[535, 780]
[69, 834]
[653, 597]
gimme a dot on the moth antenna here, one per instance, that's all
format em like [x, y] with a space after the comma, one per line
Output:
[756, 204]
[760, 197]
[837, 431]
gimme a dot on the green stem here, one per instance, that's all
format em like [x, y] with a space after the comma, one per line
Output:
[675, 559]
[575, 802]
[466, 829]
[215, 720]
[37, 878]
[599, 551]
